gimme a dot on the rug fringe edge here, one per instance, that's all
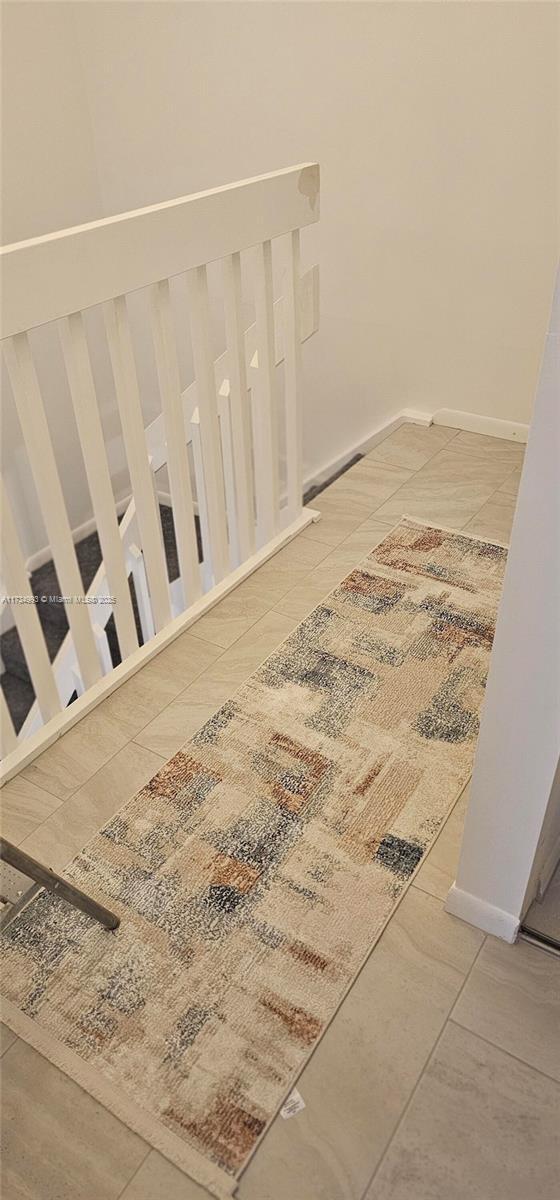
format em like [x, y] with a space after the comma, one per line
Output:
[466, 533]
[198, 1168]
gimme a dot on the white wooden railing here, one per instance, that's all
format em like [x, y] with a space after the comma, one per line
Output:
[218, 437]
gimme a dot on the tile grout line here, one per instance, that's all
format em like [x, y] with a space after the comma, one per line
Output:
[224, 649]
[87, 781]
[130, 741]
[497, 492]
[233, 687]
[194, 679]
[402, 466]
[488, 1041]
[420, 1077]
[483, 457]
[441, 449]
[347, 569]
[417, 472]
[72, 795]
[207, 642]
[425, 891]
[136, 1170]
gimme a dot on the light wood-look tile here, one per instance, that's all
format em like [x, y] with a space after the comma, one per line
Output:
[177, 723]
[512, 998]
[65, 765]
[363, 540]
[497, 449]
[59, 1143]
[364, 1069]
[298, 553]
[239, 611]
[138, 700]
[158, 1179]
[439, 868]
[449, 490]
[182, 718]
[79, 818]
[76, 756]
[494, 519]
[481, 1126]
[367, 484]
[305, 595]
[337, 521]
[412, 445]
[24, 806]
[232, 617]
[510, 486]
[237, 663]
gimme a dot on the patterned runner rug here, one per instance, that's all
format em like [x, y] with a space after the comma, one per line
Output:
[256, 870]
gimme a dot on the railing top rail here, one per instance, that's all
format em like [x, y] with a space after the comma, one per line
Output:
[59, 273]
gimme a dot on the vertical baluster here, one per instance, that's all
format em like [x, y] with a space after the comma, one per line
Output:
[208, 416]
[207, 562]
[25, 615]
[224, 416]
[84, 402]
[292, 376]
[130, 411]
[77, 681]
[138, 572]
[175, 436]
[239, 405]
[266, 451]
[100, 635]
[8, 736]
[33, 421]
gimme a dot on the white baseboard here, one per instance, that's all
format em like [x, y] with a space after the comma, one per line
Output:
[471, 422]
[482, 914]
[475, 423]
[405, 416]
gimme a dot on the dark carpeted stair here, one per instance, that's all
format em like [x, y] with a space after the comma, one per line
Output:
[16, 682]
[15, 679]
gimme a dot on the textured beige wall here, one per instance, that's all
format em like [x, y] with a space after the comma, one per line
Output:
[436, 126]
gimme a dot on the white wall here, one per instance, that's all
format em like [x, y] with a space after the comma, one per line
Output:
[49, 169]
[512, 825]
[49, 180]
[436, 129]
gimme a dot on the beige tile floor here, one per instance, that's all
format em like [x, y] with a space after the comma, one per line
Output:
[439, 1077]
